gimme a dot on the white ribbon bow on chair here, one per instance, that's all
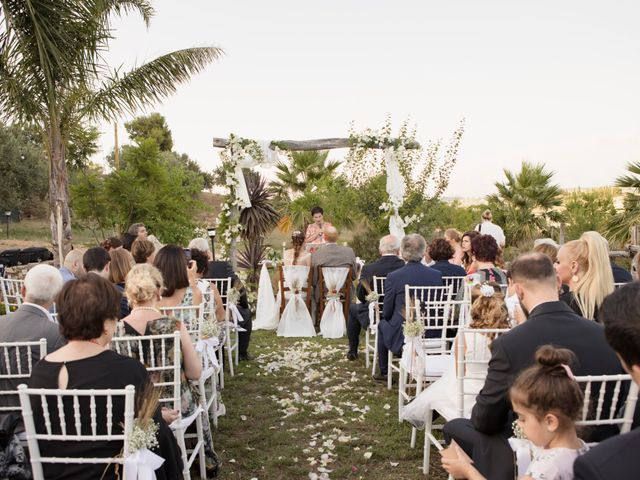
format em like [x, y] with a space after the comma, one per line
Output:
[237, 317]
[207, 347]
[141, 465]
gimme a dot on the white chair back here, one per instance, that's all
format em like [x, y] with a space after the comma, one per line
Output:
[16, 362]
[11, 293]
[223, 285]
[472, 339]
[153, 352]
[619, 284]
[192, 316]
[596, 390]
[434, 307]
[62, 411]
[231, 327]
[457, 282]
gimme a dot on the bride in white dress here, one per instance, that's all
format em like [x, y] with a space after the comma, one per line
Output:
[488, 311]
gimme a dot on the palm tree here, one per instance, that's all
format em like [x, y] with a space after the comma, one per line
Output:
[53, 77]
[618, 226]
[305, 170]
[526, 202]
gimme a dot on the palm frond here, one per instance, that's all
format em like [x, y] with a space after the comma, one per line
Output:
[259, 219]
[149, 83]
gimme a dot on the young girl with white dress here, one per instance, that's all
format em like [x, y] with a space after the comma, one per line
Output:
[548, 401]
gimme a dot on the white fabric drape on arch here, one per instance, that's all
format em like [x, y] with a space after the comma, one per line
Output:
[270, 157]
[266, 309]
[395, 190]
[296, 320]
[332, 323]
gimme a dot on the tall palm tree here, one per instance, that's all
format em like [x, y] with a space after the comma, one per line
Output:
[304, 171]
[526, 202]
[618, 226]
[53, 76]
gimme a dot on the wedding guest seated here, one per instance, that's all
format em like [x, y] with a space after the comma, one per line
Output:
[143, 251]
[617, 457]
[96, 260]
[145, 285]
[202, 266]
[389, 248]
[550, 321]
[296, 255]
[223, 269]
[390, 336]
[31, 322]
[620, 274]
[485, 252]
[441, 252]
[584, 266]
[87, 315]
[179, 278]
[134, 232]
[454, 237]
[548, 246]
[468, 262]
[488, 311]
[121, 263]
[316, 231]
[72, 267]
[111, 243]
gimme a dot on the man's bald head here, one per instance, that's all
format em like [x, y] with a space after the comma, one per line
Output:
[534, 269]
[331, 234]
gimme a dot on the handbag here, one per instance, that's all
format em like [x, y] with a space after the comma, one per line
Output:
[14, 464]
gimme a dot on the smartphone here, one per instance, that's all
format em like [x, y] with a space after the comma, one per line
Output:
[187, 253]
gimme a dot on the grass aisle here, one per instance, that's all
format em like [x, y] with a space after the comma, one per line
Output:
[301, 410]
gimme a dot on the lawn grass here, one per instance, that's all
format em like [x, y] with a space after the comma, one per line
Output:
[279, 424]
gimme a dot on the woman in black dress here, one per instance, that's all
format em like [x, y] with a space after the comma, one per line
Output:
[87, 313]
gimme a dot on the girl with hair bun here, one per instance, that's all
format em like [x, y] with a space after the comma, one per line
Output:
[488, 311]
[548, 402]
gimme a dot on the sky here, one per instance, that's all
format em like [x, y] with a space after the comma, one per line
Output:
[544, 81]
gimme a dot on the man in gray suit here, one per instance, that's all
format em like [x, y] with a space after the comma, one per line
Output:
[331, 255]
[31, 322]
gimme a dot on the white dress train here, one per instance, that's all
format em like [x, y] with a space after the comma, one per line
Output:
[442, 395]
[296, 320]
[332, 323]
[266, 310]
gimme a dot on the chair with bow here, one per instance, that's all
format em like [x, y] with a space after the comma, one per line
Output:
[371, 333]
[62, 410]
[335, 298]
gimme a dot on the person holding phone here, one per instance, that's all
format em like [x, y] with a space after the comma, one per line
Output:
[179, 275]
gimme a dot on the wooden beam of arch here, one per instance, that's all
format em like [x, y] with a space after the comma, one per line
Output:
[306, 145]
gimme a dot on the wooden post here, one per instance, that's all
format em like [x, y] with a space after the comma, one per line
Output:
[306, 145]
[562, 233]
[116, 150]
[635, 234]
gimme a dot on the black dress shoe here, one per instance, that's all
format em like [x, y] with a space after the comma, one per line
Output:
[378, 377]
[352, 356]
[245, 357]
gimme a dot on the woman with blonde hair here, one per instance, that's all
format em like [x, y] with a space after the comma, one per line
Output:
[145, 286]
[583, 265]
[488, 311]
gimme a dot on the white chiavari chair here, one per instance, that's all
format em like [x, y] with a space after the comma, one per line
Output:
[456, 282]
[470, 373]
[433, 307]
[11, 293]
[231, 326]
[153, 352]
[191, 315]
[619, 284]
[65, 426]
[16, 362]
[371, 333]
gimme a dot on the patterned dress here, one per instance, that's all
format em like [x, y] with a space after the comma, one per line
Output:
[189, 393]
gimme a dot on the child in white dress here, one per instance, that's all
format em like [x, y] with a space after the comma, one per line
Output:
[548, 401]
[488, 311]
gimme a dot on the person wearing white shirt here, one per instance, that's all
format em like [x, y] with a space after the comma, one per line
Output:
[487, 227]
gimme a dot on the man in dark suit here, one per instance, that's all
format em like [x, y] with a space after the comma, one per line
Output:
[389, 261]
[31, 322]
[484, 436]
[222, 269]
[617, 458]
[390, 336]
